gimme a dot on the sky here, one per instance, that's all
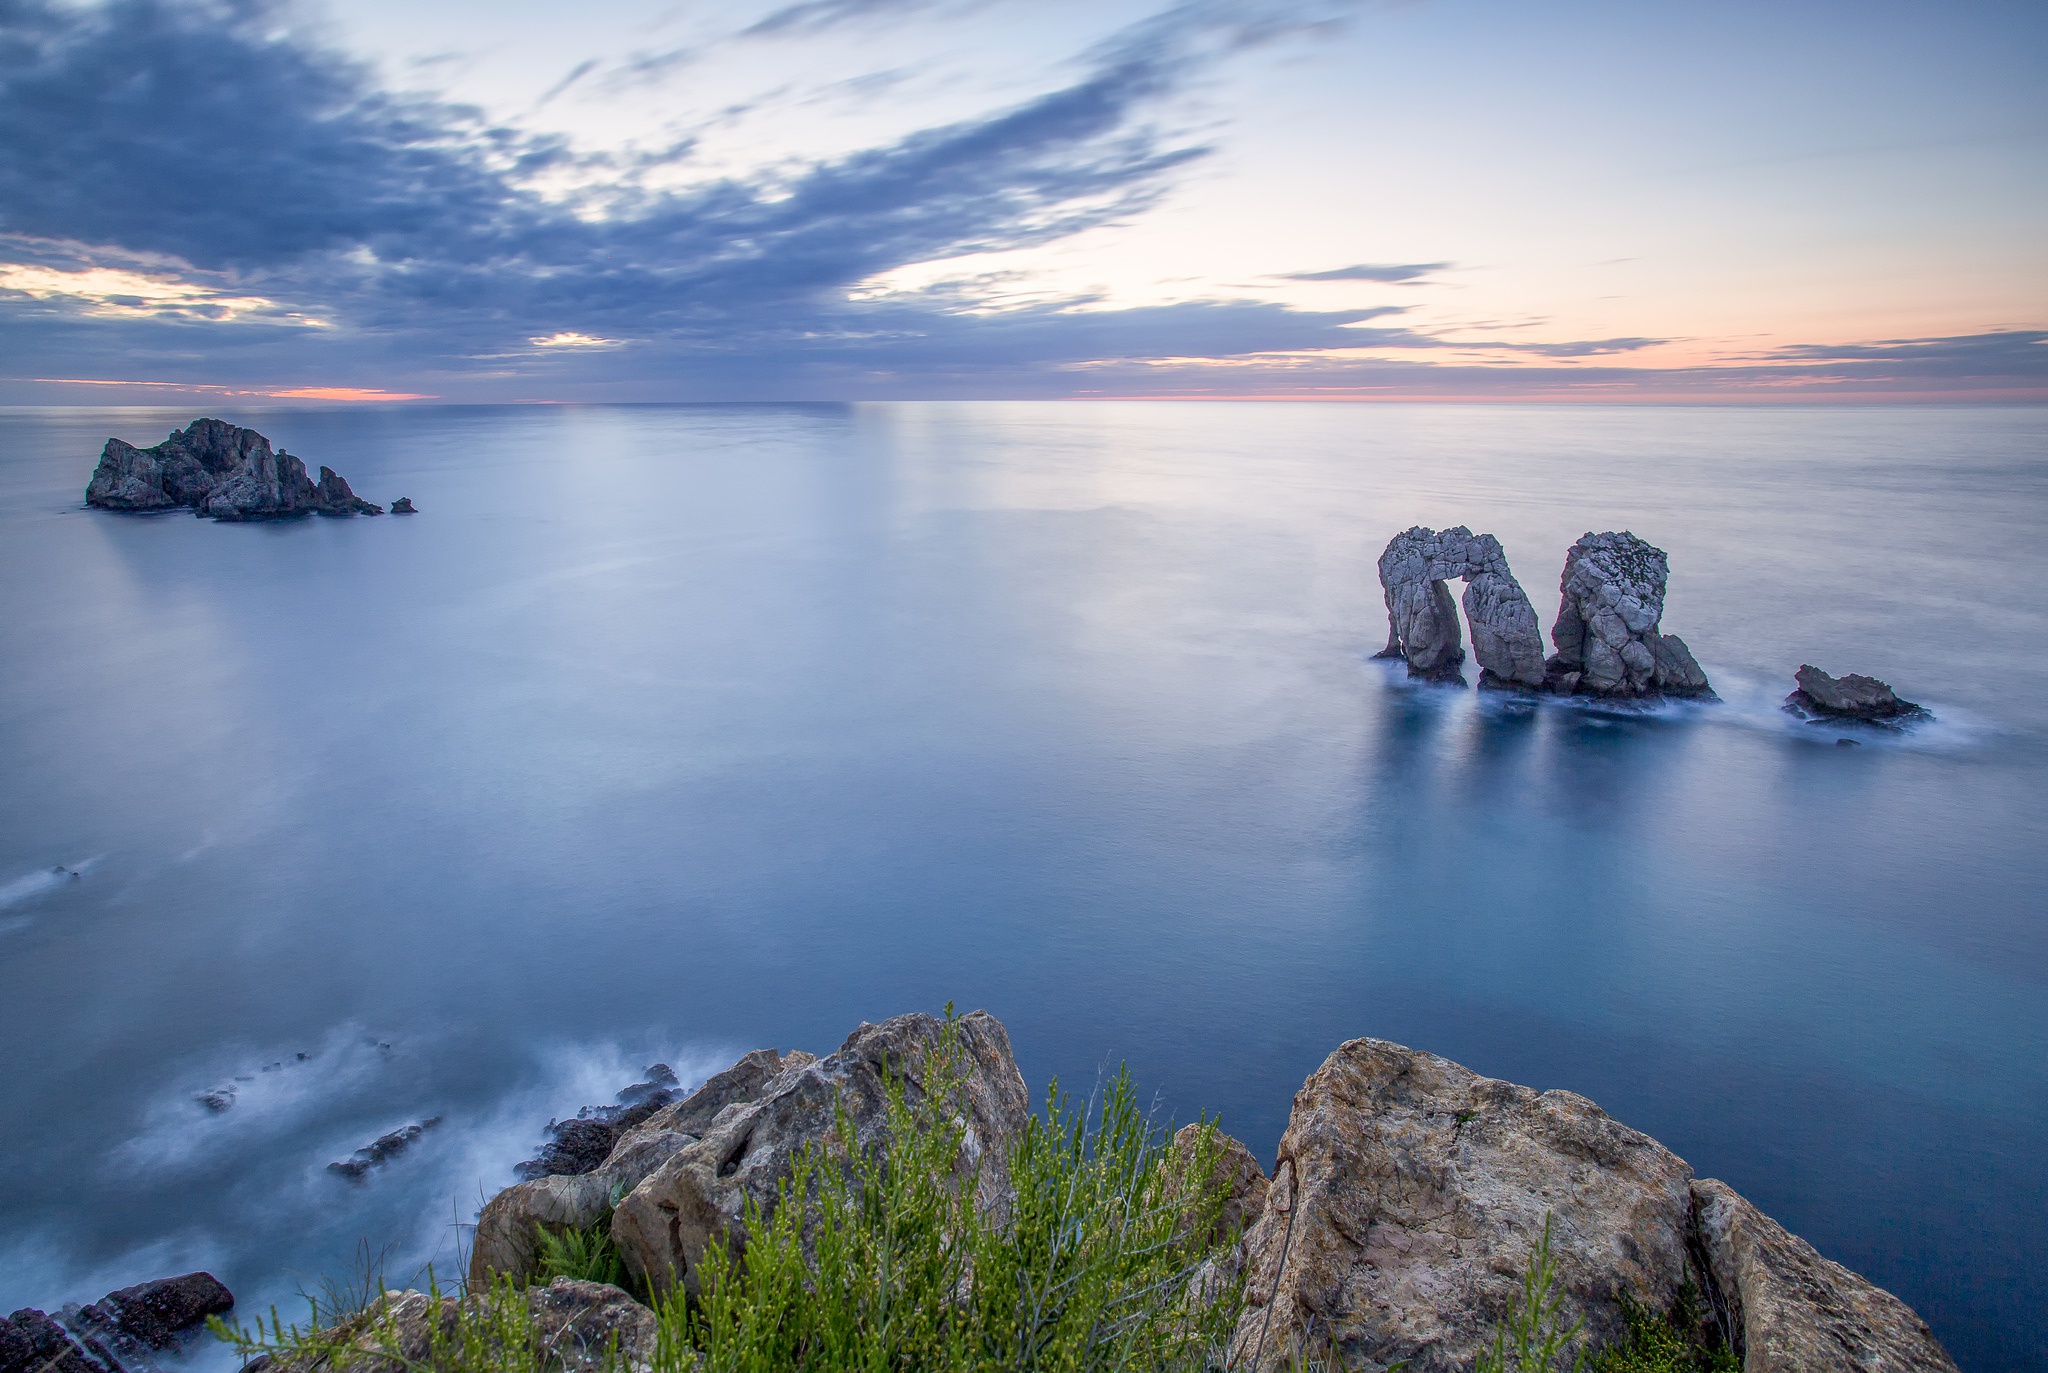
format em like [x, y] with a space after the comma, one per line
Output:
[677, 200]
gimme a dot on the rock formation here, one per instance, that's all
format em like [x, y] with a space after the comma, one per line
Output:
[582, 1143]
[697, 1197]
[1409, 1193]
[1422, 621]
[217, 469]
[119, 1331]
[403, 506]
[1851, 697]
[1607, 637]
[378, 1151]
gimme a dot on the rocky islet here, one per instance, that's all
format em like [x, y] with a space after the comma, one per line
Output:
[222, 470]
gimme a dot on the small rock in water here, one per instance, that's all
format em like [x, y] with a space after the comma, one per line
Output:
[381, 1150]
[1850, 697]
[1847, 743]
[403, 506]
[217, 1100]
[582, 1144]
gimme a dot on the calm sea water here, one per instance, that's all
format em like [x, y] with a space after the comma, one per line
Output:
[666, 733]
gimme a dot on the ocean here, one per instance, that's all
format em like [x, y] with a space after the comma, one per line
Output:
[665, 733]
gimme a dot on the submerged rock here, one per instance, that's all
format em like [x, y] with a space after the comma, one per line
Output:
[382, 1149]
[118, 1332]
[217, 469]
[1849, 697]
[1422, 620]
[581, 1144]
[1611, 600]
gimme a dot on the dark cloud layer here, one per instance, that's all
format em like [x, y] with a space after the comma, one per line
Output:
[206, 141]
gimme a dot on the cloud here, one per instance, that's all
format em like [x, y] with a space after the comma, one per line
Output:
[815, 16]
[1366, 271]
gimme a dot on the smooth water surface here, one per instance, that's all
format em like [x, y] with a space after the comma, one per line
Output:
[673, 732]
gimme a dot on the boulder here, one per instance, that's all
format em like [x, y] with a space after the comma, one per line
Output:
[505, 1237]
[1409, 1193]
[1422, 619]
[1611, 600]
[333, 497]
[156, 1313]
[31, 1342]
[403, 506]
[217, 469]
[1796, 1312]
[1850, 697]
[698, 1197]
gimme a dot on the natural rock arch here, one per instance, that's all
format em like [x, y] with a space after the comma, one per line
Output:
[1422, 620]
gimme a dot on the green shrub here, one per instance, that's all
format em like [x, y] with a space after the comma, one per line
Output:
[880, 1259]
[1535, 1338]
[586, 1254]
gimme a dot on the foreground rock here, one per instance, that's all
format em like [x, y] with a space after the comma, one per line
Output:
[1795, 1310]
[1850, 697]
[218, 469]
[119, 1331]
[698, 1196]
[1611, 600]
[1422, 621]
[573, 1327]
[1410, 1192]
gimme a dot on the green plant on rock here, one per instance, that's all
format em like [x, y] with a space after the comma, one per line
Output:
[586, 1254]
[1535, 1337]
[881, 1259]
[1671, 1343]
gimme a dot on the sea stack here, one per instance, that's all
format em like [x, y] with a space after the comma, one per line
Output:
[218, 469]
[1607, 635]
[1853, 696]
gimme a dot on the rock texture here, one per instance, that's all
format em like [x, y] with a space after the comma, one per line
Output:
[505, 1238]
[217, 469]
[1409, 1193]
[1850, 697]
[697, 1197]
[119, 1331]
[1422, 620]
[582, 1143]
[1607, 632]
[575, 1327]
[1796, 1312]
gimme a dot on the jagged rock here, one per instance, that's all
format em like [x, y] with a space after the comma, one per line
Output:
[1849, 697]
[698, 1196]
[583, 1142]
[504, 1241]
[333, 497]
[31, 1342]
[1796, 1312]
[1422, 620]
[1409, 1193]
[217, 469]
[381, 1150]
[156, 1313]
[403, 506]
[1607, 636]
